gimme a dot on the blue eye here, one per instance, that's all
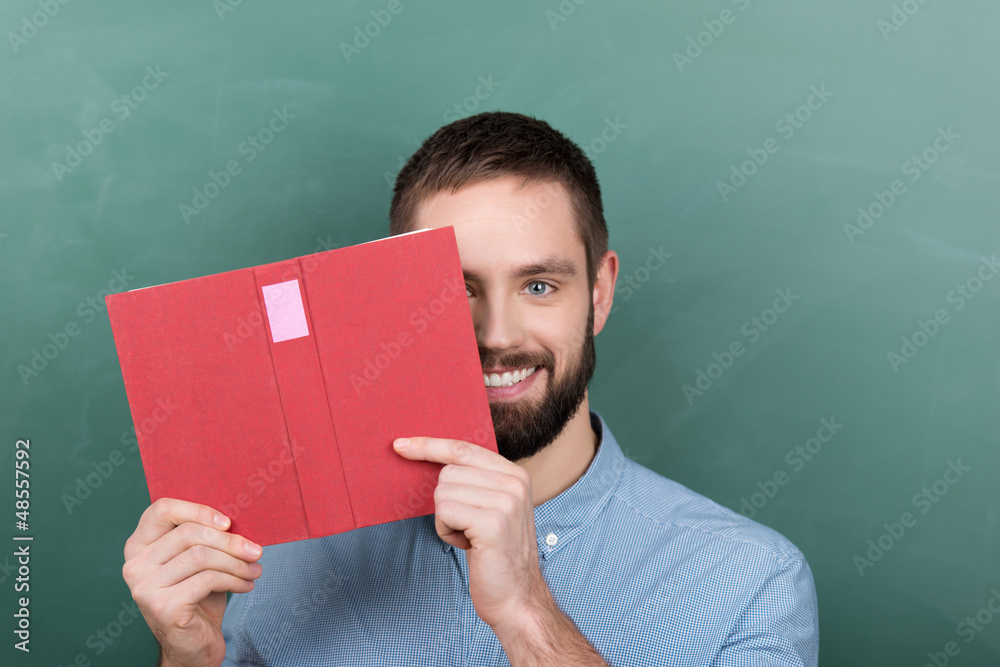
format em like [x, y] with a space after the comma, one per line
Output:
[533, 292]
[538, 282]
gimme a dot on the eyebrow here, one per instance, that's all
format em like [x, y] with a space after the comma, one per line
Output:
[552, 265]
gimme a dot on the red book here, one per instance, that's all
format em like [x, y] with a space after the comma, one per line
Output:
[273, 393]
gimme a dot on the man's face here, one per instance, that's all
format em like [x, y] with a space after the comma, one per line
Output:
[526, 274]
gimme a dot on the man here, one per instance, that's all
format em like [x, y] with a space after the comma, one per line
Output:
[557, 551]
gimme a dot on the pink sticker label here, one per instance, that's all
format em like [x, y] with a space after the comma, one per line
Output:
[285, 314]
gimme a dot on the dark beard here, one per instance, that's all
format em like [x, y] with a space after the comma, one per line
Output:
[524, 428]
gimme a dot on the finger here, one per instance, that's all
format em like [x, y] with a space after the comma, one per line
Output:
[182, 538]
[479, 497]
[443, 450]
[456, 539]
[199, 586]
[166, 514]
[189, 593]
[514, 482]
[451, 516]
[201, 558]
[188, 535]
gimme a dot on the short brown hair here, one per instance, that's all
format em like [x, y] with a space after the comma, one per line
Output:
[499, 143]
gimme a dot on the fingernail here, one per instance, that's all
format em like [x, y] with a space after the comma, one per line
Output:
[399, 443]
[252, 549]
[221, 521]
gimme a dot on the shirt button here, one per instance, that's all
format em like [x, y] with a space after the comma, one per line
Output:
[551, 539]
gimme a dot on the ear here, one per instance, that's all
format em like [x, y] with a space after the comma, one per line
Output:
[604, 289]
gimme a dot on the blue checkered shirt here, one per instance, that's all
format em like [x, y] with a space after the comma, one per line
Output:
[651, 572]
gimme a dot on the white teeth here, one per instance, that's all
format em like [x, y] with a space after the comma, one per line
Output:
[508, 378]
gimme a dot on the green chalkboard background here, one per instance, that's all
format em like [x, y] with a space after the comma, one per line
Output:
[717, 157]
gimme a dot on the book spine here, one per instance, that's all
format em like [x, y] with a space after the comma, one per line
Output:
[304, 400]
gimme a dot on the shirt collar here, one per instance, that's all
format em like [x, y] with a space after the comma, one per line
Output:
[559, 519]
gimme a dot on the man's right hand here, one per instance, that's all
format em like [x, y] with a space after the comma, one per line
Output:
[179, 563]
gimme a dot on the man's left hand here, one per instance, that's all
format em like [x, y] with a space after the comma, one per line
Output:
[483, 504]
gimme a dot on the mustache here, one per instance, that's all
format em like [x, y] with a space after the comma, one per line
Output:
[512, 361]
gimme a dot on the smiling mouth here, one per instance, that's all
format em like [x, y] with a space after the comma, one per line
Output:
[508, 378]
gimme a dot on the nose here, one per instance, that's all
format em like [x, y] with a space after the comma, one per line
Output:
[498, 325]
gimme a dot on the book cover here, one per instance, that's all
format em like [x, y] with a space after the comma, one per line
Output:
[273, 393]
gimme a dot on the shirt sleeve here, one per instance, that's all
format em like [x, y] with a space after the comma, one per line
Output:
[779, 627]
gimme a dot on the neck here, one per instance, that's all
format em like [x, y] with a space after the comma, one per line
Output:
[556, 467]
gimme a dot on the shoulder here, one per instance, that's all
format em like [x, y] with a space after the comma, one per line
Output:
[710, 563]
[703, 578]
[667, 511]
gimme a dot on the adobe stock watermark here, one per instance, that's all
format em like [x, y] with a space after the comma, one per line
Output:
[796, 458]
[462, 109]
[915, 167]
[419, 320]
[101, 639]
[329, 590]
[924, 500]
[898, 17]
[470, 104]
[714, 27]
[630, 283]
[524, 220]
[609, 134]
[31, 24]
[927, 329]
[752, 330]
[417, 494]
[967, 629]
[122, 108]
[381, 18]
[247, 325]
[562, 12]
[390, 177]
[223, 7]
[87, 310]
[319, 596]
[786, 126]
[103, 470]
[248, 149]
[7, 569]
[258, 481]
